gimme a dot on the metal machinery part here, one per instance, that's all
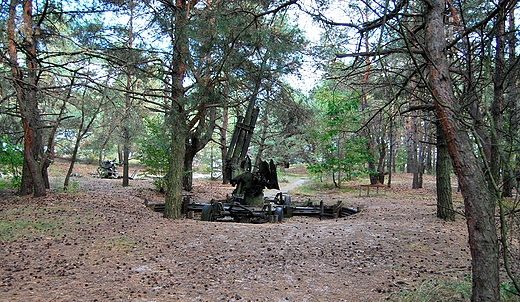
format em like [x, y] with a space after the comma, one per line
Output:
[247, 202]
[271, 211]
[249, 184]
[107, 169]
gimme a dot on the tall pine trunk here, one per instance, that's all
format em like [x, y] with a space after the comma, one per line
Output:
[176, 117]
[128, 100]
[26, 86]
[174, 177]
[498, 103]
[512, 113]
[478, 203]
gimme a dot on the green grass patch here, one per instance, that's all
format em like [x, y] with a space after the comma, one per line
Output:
[26, 227]
[436, 290]
[449, 290]
[313, 186]
[9, 183]
[121, 245]
[291, 175]
[508, 292]
[30, 222]
[4, 184]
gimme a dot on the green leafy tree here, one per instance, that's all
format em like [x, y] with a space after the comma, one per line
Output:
[11, 160]
[280, 130]
[154, 150]
[340, 151]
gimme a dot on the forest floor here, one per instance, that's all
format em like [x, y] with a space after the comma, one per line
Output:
[100, 242]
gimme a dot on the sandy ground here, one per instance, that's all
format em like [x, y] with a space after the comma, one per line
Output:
[101, 243]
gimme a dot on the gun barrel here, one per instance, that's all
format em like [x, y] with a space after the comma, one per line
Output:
[240, 141]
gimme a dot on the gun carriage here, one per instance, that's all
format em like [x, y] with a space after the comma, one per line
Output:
[247, 202]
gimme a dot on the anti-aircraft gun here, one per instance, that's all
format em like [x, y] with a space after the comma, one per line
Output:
[107, 169]
[238, 169]
[247, 202]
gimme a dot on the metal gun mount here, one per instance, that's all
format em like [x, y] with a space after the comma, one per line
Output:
[249, 184]
[273, 210]
[247, 202]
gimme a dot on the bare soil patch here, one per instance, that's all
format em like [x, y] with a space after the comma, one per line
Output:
[101, 243]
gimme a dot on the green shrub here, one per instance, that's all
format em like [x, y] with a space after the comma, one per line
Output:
[11, 162]
[154, 151]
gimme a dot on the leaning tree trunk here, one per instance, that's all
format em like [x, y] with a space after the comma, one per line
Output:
[113, 127]
[82, 131]
[196, 141]
[72, 162]
[478, 203]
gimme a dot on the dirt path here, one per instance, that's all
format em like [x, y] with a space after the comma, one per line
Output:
[102, 244]
[286, 187]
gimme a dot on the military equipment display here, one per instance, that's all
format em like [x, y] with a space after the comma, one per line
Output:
[247, 202]
[107, 169]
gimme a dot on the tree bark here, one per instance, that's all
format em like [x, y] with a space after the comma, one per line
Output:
[187, 178]
[363, 105]
[391, 159]
[478, 203]
[417, 164]
[196, 140]
[174, 176]
[411, 145]
[509, 181]
[443, 179]
[128, 100]
[26, 88]
[126, 156]
[381, 162]
[497, 105]
[175, 116]
[72, 162]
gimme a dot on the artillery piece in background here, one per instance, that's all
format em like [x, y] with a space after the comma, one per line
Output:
[249, 185]
[107, 169]
[247, 202]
